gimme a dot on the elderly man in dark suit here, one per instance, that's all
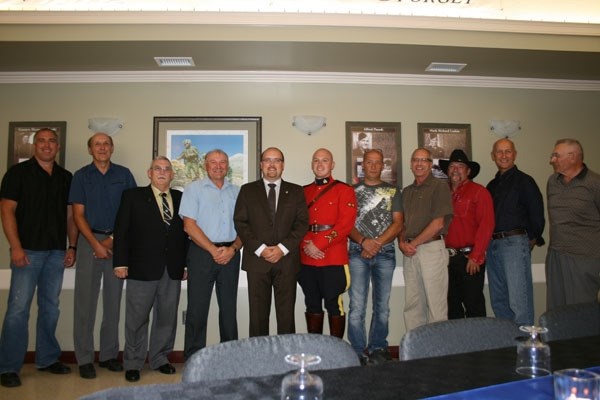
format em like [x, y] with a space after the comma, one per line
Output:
[149, 250]
[271, 218]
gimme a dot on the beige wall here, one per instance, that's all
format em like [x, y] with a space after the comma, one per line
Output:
[545, 115]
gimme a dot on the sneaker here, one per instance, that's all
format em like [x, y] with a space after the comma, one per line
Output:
[380, 356]
[10, 379]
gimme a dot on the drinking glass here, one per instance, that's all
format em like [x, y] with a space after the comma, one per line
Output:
[571, 384]
[533, 356]
[301, 385]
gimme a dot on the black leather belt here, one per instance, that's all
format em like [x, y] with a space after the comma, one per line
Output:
[102, 232]
[223, 244]
[319, 228]
[514, 232]
[433, 239]
[464, 250]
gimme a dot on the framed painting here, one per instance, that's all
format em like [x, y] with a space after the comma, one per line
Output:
[20, 140]
[441, 139]
[384, 136]
[186, 140]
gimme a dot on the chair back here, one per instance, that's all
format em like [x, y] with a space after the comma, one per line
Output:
[264, 355]
[571, 321]
[458, 336]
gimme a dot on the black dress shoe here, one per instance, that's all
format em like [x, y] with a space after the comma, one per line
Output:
[132, 375]
[166, 369]
[56, 368]
[112, 365]
[87, 371]
[10, 379]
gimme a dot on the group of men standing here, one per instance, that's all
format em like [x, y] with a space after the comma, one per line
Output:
[155, 237]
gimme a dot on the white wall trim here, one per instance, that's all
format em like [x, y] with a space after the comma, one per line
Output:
[538, 270]
[296, 77]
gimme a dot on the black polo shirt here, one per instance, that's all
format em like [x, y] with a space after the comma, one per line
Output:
[41, 204]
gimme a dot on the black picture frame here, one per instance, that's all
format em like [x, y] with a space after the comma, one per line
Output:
[239, 137]
[19, 151]
[441, 139]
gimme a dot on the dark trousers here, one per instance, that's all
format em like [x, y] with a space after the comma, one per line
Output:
[465, 292]
[203, 275]
[279, 282]
[324, 285]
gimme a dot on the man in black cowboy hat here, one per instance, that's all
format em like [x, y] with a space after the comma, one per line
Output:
[468, 237]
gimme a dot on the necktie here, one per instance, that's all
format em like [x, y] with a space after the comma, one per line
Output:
[167, 216]
[272, 200]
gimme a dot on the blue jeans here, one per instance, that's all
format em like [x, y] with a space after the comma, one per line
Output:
[45, 271]
[379, 271]
[509, 277]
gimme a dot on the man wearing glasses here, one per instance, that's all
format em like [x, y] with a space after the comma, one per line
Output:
[149, 251]
[573, 260]
[519, 212]
[428, 212]
[271, 218]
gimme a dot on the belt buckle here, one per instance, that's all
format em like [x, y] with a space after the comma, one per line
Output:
[313, 228]
[452, 252]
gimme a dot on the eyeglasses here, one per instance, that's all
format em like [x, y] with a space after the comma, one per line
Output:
[160, 169]
[272, 160]
[557, 155]
[423, 160]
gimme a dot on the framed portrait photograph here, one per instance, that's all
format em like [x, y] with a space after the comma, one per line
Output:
[384, 136]
[20, 140]
[186, 140]
[441, 139]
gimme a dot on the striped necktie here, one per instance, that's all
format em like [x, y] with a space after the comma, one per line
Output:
[167, 216]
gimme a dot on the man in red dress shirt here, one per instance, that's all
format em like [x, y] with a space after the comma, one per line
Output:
[468, 237]
[324, 275]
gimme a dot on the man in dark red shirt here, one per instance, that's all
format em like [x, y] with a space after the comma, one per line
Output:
[468, 237]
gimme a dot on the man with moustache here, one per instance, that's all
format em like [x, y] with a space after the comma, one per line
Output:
[468, 237]
[96, 194]
[149, 251]
[213, 258]
[573, 260]
[519, 215]
[428, 211]
[373, 259]
[271, 219]
[324, 274]
[37, 220]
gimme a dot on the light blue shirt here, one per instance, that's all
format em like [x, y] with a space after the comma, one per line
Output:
[211, 208]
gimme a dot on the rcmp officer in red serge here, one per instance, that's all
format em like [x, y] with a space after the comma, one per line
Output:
[468, 237]
[324, 274]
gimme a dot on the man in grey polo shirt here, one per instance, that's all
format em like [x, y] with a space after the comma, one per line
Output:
[573, 260]
[428, 212]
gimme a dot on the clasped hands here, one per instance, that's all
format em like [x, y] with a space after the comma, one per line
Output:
[311, 250]
[104, 249]
[370, 248]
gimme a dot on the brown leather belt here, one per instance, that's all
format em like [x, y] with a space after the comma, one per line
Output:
[433, 239]
[513, 232]
[465, 251]
[319, 228]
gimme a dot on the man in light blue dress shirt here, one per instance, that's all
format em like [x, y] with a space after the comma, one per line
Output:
[213, 258]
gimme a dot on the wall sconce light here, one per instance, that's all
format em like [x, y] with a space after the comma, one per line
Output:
[309, 124]
[505, 128]
[110, 126]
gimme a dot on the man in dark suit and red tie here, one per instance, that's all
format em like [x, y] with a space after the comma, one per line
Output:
[271, 218]
[149, 250]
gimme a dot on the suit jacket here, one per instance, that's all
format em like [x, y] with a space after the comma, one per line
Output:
[141, 240]
[252, 219]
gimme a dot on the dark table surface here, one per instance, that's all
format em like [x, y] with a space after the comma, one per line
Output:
[412, 379]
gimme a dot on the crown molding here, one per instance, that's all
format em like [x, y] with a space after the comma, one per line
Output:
[295, 77]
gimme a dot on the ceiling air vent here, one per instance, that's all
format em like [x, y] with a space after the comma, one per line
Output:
[445, 67]
[174, 61]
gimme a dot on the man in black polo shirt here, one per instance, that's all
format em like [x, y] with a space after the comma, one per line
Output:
[36, 220]
[519, 211]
